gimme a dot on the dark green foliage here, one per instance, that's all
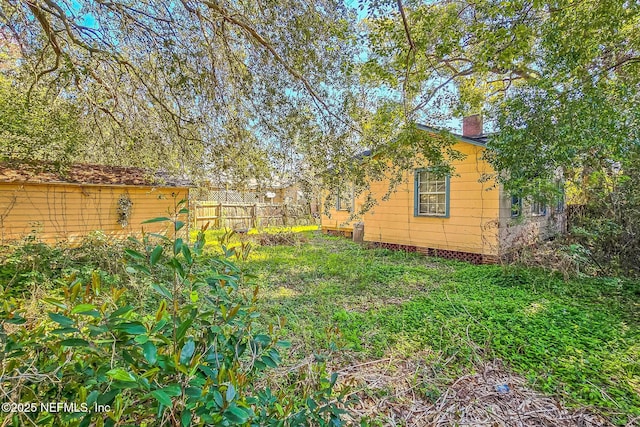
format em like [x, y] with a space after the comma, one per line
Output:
[197, 358]
[37, 126]
[31, 263]
[607, 225]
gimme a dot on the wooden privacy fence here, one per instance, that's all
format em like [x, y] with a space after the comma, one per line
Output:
[249, 215]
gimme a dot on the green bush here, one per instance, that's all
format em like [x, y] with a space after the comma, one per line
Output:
[607, 224]
[197, 359]
[30, 263]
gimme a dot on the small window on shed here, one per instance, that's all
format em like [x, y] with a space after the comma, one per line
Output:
[344, 199]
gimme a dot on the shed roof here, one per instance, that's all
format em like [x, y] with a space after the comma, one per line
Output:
[87, 174]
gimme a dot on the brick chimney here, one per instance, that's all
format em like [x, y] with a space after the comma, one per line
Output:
[472, 125]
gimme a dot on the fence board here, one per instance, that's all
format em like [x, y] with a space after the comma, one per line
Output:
[249, 215]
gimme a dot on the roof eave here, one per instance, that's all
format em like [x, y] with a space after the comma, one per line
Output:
[460, 138]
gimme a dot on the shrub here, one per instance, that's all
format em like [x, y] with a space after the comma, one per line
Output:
[195, 360]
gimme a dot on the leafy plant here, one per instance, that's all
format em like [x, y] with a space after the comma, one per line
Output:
[195, 360]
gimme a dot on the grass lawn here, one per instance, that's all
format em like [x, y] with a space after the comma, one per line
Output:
[578, 340]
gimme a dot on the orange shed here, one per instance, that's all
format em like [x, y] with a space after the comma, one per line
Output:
[66, 205]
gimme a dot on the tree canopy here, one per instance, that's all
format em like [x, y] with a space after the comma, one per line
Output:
[558, 81]
[190, 85]
[240, 87]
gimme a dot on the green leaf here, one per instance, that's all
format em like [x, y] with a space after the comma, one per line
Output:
[334, 378]
[60, 319]
[55, 302]
[15, 320]
[150, 352]
[177, 246]
[262, 339]
[283, 344]
[162, 290]
[133, 328]
[173, 390]
[179, 225]
[138, 268]
[267, 360]
[155, 255]
[107, 397]
[134, 254]
[217, 397]
[82, 308]
[160, 237]
[182, 329]
[121, 311]
[74, 342]
[161, 324]
[187, 352]
[162, 397]
[185, 419]
[92, 397]
[231, 393]
[237, 415]
[141, 339]
[187, 254]
[63, 331]
[311, 404]
[193, 296]
[193, 391]
[158, 219]
[121, 375]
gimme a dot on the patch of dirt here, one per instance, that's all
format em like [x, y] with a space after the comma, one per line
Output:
[388, 392]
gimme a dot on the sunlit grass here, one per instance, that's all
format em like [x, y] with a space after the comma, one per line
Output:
[578, 340]
[213, 236]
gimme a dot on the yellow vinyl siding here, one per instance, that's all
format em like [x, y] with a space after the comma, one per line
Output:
[336, 220]
[473, 211]
[58, 212]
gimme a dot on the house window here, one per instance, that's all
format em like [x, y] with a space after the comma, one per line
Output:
[538, 209]
[431, 194]
[344, 200]
[516, 206]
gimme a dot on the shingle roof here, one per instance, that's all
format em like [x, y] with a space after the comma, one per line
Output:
[480, 140]
[476, 140]
[87, 174]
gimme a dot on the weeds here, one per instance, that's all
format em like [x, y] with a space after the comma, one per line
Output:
[577, 339]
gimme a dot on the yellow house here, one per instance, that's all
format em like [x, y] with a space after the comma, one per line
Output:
[462, 216]
[66, 206]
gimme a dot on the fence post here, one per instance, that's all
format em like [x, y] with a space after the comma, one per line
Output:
[219, 216]
[285, 219]
[254, 216]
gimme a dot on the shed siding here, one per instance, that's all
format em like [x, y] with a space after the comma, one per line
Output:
[336, 220]
[58, 212]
